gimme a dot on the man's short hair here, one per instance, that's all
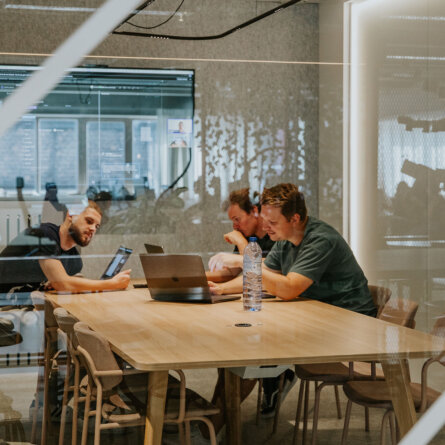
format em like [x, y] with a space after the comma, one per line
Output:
[288, 198]
[242, 199]
[93, 205]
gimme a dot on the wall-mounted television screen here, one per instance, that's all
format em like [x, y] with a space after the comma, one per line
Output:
[100, 127]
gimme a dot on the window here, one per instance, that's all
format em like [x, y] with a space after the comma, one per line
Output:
[106, 154]
[18, 152]
[145, 157]
[58, 153]
[105, 128]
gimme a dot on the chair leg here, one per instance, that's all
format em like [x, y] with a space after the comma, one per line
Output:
[277, 408]
[298, 415]
[392, 427]
[366, 419]
[98, 415]
[306, 411]
[316, 412]
[346, 425]
[45, 392]
[181, 433]
[187, 432]
[86, 416]
[337, 400]
[75, 402]
[382, 430]
[211, 428]
[66, 386]
[259, 400]
[36, 411]
[397, 428]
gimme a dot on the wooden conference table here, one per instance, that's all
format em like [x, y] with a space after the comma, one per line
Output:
[157, 337]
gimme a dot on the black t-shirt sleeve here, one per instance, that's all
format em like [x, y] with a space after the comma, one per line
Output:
[47, 240]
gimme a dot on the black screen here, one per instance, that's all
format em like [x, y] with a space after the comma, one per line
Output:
[117, 262]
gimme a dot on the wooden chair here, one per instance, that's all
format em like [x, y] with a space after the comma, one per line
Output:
[105, 377]
[375, 393]
[380, 296]
[66, 323]
[51, 355]
[401, 312]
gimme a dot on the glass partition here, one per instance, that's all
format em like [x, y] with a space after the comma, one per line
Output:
[341, 98]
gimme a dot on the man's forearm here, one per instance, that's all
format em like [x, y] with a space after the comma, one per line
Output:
[281, 285]
[234, 286]
[241, 244]
[78, 284]
[223, 275]
[61, 281]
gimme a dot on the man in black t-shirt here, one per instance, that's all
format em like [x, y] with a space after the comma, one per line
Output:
[19, 261]
[49, 254]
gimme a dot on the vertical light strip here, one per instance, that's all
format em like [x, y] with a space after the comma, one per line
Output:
[353, 149]
[69, 54]
[362, 140]
[361, 133]
[346, 118]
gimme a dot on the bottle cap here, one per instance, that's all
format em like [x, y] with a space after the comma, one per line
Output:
[252, 239]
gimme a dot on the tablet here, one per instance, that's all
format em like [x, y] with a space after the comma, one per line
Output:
[116, 264]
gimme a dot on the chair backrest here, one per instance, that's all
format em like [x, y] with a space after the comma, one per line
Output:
[66, 323]
[439, 331]
[100, 358]
[38, 299]
[380, 296]
[400, 311]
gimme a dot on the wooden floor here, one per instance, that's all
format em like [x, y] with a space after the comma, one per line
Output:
[330, 428]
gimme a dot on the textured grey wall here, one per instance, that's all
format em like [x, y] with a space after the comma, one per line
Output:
[256, 123]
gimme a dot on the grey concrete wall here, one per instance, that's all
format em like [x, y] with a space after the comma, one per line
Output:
[256, 109]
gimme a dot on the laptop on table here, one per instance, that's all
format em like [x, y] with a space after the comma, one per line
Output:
[179, 279]
[153, 249]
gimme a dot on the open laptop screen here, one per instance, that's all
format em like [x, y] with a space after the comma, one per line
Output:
[153, 248]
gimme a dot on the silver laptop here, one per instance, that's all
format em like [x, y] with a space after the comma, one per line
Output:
[179, 278]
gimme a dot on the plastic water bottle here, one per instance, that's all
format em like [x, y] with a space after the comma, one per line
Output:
[252, 279]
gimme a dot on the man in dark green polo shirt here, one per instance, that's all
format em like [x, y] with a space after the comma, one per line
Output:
[310, 258]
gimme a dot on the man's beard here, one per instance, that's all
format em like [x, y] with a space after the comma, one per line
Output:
[76, 235]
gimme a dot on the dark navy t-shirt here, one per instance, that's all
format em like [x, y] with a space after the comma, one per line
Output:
[265, 243]
[19, 261]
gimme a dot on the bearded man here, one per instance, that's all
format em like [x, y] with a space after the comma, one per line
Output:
[47, 256]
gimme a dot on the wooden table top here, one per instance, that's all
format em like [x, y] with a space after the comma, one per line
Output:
[156, 336]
